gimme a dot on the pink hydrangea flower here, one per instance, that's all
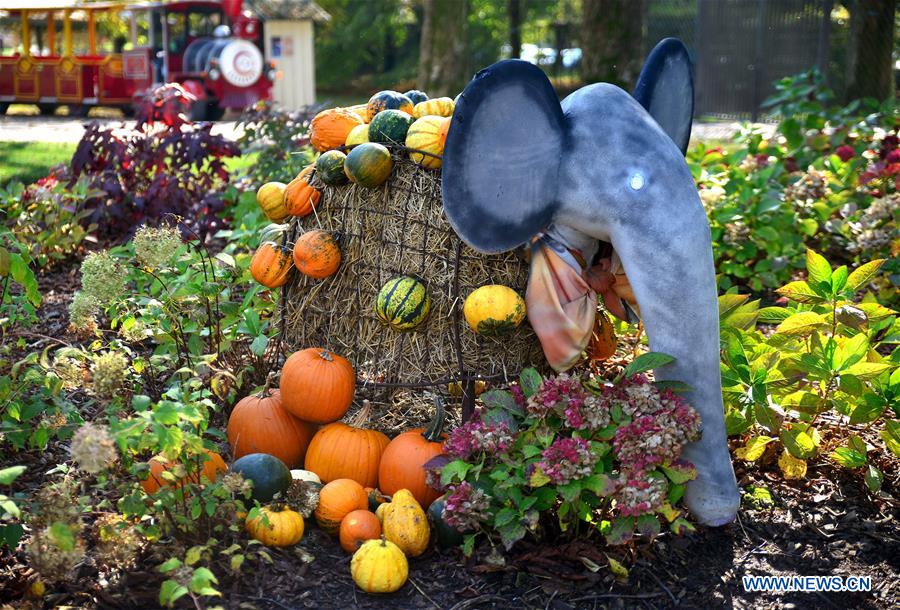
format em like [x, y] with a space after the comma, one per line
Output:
[845, 152]
[638, 493]
[568, 459]
[566, 397]
[466, 507]
[476, 436]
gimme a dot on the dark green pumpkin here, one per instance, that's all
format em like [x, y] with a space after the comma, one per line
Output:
[388, 100]
[447, 535]
[403, 303]
[416, 96]
[268, 474]
[330, 167]
[369, 164]
[390, 127]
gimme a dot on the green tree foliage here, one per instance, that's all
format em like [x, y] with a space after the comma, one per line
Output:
[378, 38]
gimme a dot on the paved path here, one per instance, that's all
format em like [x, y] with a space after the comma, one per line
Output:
[64, 129]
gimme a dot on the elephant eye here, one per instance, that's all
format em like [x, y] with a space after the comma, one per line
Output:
[637, 181]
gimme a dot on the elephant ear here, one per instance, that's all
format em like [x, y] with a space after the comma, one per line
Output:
[665, 89]
[501, 157]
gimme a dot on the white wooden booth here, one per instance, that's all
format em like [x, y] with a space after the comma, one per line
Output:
[288, 29]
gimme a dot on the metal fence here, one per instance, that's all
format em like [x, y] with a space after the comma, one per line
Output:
[741, 47]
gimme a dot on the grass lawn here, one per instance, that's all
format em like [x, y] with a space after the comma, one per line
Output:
[27, 161]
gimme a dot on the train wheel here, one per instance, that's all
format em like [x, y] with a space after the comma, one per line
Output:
[214, 112]
[199, 111]
[79, 110]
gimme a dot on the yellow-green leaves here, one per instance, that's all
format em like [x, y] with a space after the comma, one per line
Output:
[754, 448]
[863, 274]
[791, 467]
[802, 323]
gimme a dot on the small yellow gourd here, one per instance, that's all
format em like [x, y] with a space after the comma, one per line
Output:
[494, 310]
[379, 566]
[358, 135]
[275, 527]
[439, 106]
[405, 524]
[270, 198]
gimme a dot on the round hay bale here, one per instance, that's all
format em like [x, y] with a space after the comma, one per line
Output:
[400, 229]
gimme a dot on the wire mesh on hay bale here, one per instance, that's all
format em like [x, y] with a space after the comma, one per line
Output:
[400, 229]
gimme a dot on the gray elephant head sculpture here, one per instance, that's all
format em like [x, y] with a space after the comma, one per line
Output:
[601, 168]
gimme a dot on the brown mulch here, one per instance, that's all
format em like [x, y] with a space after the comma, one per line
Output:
[827, 524]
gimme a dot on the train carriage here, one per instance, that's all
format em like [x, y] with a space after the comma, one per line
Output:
[213, 48]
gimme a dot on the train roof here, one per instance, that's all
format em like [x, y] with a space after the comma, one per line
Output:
[76, 5]
[56, 5]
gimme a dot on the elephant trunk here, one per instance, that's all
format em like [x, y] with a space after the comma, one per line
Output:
[675, 262]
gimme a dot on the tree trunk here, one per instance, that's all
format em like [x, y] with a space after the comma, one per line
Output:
[612, 34]
[872, 40]
[443, 68]
[514, 12]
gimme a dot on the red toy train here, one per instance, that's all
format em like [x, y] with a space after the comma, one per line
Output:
[213, 48]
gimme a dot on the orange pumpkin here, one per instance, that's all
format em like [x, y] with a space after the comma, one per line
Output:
[209, 471]
[259, 424]
[317, 385]
[329, 128]
[403, 460]
[317, 254]
[336, 500]
[271, 264]
[603, 339]
[357, 527]
[341, 451]
[300, 197]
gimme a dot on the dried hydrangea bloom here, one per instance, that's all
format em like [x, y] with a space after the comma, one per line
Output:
[566, 397]
[102, 277]
[93, 450]
[156, 247]
[736, 233]
[83, 311]
[476, 436]
[637, 493]
[56, 502]
[54, 553]
[118, 542]
[568, 459]
[108, 372]
[70, 370]
[810, 188]
[652, 440]
[466, 507]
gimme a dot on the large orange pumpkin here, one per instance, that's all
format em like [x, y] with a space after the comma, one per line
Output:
[329, 128]
[336, 500]
[341, 451]
[271, 264]
[403, 460]
[317, 254]
[317, 385]
[208, 471]
[357, 527]
[259, 424]
[300, 197]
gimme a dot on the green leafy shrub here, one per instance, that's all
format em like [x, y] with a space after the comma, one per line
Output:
[829, 366]
[280, 140]
[826, 179]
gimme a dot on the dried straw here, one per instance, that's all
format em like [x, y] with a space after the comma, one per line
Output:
[400, 229]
